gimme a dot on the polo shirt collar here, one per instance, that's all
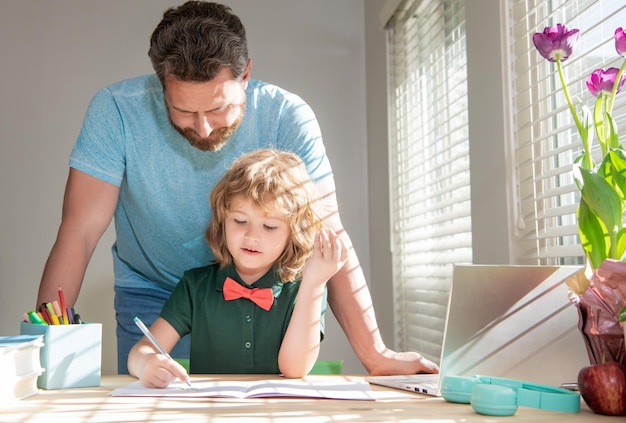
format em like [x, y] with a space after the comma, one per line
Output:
[268, 280]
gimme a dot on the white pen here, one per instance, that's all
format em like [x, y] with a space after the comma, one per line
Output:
[153, 340]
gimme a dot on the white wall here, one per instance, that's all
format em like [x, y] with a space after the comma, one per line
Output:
[56, 54]
[378, 170]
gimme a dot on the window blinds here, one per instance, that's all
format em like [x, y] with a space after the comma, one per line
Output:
[545, 141]
[429, 154]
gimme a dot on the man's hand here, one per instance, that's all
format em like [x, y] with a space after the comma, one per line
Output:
[402, 363]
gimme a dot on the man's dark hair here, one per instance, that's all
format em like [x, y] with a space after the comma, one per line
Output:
[194, 41]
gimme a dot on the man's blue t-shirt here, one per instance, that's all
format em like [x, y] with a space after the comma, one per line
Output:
[163, 209]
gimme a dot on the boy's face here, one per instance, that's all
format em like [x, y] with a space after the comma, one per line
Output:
[206, 113]
[255, 239]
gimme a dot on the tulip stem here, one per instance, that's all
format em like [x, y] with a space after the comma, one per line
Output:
[583, 132]
[615, 85]
[568, 98]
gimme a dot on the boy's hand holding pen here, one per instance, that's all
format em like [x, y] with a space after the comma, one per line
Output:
[156, 344]
[53, 313]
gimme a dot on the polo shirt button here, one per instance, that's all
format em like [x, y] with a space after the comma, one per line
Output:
[248, 344]
[248, 318]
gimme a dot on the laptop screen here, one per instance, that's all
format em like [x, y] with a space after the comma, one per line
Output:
[513, 321]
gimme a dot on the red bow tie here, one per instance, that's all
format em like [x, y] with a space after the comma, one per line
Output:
[263, 297]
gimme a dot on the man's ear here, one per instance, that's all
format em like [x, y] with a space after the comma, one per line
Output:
[246, 74]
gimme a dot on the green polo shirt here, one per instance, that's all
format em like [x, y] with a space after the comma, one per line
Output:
[235, 336]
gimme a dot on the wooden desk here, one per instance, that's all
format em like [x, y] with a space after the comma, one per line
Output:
[95, 405]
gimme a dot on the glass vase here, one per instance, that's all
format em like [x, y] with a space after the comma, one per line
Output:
[598, 312]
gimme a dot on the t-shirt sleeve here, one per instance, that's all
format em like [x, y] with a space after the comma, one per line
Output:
[99, 149]
[299, 132]
[178, 308]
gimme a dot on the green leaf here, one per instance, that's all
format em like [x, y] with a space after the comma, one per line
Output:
[602, 200]
[618, 171]
[620, 244]
[576, 172]
[598, 122]
[586, 160]
[613, 139]
[622, 315]
[592, 235]
[604, 169]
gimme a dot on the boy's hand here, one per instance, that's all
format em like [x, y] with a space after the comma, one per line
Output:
[329, 255]
[160, 371]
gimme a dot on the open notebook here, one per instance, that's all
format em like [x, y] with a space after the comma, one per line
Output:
[506, 321]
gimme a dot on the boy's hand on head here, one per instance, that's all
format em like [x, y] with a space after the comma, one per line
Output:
[329, 255]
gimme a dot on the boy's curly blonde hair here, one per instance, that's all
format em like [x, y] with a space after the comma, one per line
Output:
[272, 179]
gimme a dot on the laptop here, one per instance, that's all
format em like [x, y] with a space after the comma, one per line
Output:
[506, 321]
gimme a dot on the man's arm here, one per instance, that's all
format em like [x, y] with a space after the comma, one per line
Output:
[351, 303]
[88, 208]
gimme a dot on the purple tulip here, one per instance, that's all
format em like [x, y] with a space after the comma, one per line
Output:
[556, 43]
[601, 80]
[620, 42]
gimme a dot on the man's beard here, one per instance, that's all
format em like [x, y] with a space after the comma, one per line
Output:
[215, 141]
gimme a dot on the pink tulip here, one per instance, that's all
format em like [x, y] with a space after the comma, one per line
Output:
[601, 80]
[620, 42]
[556, 43]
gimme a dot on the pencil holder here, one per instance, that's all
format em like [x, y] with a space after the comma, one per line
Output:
[71, 354]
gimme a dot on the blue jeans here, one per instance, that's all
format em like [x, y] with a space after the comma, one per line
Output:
[145, 304]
